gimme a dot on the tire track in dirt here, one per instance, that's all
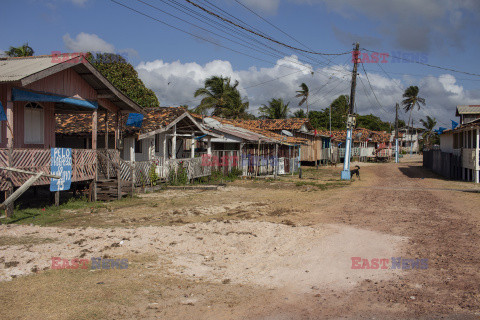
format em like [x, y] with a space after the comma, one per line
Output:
[437, 231]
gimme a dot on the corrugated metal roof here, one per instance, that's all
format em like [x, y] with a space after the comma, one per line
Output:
[30, 69]
[15, 69]
[471, 109]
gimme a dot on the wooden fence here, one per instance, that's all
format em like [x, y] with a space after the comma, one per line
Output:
[38, 160]
[445, 164]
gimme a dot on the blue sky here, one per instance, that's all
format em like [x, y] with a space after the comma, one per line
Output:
[174, 64]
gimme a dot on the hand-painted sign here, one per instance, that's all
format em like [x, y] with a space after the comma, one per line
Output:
[61, 165]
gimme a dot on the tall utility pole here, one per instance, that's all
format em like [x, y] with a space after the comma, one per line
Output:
[396, 133]
[345, 175]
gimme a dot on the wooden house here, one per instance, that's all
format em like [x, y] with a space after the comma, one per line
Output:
[314, 148]
[459, 154]
[166, 137]
[35, 89]
[261, 151]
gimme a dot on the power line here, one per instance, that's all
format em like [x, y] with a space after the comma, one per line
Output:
[263, 36]
[176, 5]
[285, 55]
[197, 36]
[427, 64]
[271, 24]
[363, 67]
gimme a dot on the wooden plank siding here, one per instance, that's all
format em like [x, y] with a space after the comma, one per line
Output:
[67, 83]
[3, 127]
[312, 151]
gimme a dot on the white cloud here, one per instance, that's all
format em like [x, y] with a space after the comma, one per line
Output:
[131, 53]
[2, 53]
[175, 82]
[87, 42]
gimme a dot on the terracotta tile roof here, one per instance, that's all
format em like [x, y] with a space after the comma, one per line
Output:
[81, 124]
[245, 124]
[359, 135]
[278, 124]
[70, 124]
[160, 117]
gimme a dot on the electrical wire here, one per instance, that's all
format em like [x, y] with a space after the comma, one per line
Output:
[427, 64]
[261, 35]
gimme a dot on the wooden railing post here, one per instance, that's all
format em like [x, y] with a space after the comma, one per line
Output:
[119, 178]
[133, 177]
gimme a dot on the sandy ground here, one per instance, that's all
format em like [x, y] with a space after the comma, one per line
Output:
[259, 250]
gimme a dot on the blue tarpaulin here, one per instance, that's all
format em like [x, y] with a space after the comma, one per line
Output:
[440, 130]
[24, 95]
[454, 124]
[3, 116]
[135, 120]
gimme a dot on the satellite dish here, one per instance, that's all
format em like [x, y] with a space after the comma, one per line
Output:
[212, 122]
[287, 133]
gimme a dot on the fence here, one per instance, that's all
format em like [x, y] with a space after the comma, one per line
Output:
[445, 164]
[38, 160]
[265, 165]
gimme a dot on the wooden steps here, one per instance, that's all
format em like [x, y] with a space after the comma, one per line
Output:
[107, 190]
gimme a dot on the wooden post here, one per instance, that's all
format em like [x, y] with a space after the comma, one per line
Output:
[133, 177]
[117, 129]
[57, 198]
[10, 143]
[209, 146]
[94, 147]
[192, 145]
[275, 162]
[477, 156]
[119, 175]
[258, 157]
[174, 142]
[106, 144]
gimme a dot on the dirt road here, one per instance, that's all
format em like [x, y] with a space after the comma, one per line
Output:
[260, 250]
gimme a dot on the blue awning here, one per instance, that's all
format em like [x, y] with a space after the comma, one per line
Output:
[24, 95]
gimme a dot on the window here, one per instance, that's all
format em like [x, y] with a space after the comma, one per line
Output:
[138, 146]
[157, 143]
[33, 123]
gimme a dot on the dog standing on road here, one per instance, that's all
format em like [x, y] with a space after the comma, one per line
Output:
[355, 171]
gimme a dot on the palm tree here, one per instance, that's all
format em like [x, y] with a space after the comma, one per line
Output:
[299, 114]
[429, 125]
[23, 51]
[410, 101]
[276, 109]
[303, 93]
[223, 97]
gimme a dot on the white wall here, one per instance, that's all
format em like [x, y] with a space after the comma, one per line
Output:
[446, 142]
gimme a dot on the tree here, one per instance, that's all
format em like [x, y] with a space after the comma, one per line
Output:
[303, 94]
[124, 77]
[412, 100]
[372, 122]
[22, 51]
[299, 114]
[223, 97]
[429, 124]
[276, 109]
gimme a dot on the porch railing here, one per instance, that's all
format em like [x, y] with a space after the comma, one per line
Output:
[38, 160]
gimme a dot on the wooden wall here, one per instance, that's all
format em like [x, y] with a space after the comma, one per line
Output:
[67, 83]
